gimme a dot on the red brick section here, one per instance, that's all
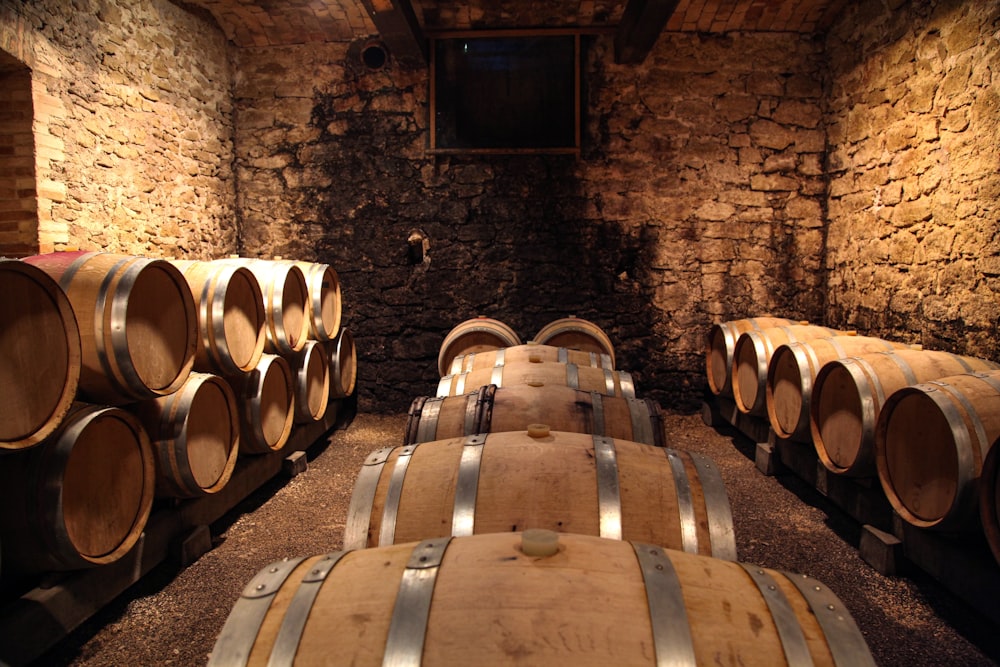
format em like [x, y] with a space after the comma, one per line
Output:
[756, 15]
[315, 21]
[290, 21]
[18, 217]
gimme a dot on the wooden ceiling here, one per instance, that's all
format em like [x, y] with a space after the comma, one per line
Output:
[258, 23]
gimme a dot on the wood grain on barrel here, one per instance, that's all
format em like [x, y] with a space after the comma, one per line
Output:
[931, 440]
[576, 334]
[548, 481]
[478, 334]
[848, 396]
[720, 344]
[41, 342]
[587, 604]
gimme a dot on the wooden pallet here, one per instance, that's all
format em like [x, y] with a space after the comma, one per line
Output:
[963, 563]
[47, 613]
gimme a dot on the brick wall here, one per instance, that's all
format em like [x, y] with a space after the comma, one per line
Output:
[18, 218]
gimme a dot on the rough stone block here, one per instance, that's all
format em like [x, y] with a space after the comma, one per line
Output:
[774, 183]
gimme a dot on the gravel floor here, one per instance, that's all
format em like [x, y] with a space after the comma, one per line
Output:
[173, 616]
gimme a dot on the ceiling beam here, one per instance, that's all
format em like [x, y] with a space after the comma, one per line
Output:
[641, 24]
[397, 24]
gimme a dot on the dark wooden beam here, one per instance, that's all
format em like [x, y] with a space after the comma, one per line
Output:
[641, 24]
[397, 24]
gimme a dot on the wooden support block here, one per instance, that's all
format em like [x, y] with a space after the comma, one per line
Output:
[192, 546]
[710, 414]
[821, 478]
[767, 460]
[295, 464]
[880, 549]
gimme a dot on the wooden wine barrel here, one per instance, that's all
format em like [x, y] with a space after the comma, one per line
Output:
[848, 395]
[476, 335]
[720, 344]
[40, 355]
[310, 369]
[793, 369]
[752, 354]
[930, 442]
[989, 500]
[532, 351]
[82, 497]
[231, 317]
[137, 319]
[603, 381]
[566, 482]
[343, 364]
[576, 334]
[265, 397]
[196, 436]
[535, 598]
[323, 307]
[286, 296]
[491, 410]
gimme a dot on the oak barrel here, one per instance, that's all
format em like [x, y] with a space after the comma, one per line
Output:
[930, 442]
[793, 369]
[490, 409]
[720, 344]
[310, 369]
[602, 380]
[576, 334]
[40, 359]
[265, 397]
[475, 335]
[196, 436]
[532, 351]
[286, 296]
[752, 354]
[137, 319]
[323, 306]
[535, 598]
[343, 358]
[848, 396]
[82, 497]
[231, 318]
[989, 500]
[566, 482]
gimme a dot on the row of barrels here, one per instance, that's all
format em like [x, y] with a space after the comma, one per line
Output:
[490, 539]
[125, 379]
[924, 422]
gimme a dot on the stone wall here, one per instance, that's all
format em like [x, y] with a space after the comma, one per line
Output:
[698, 197]
[133, 145]
[914, 121]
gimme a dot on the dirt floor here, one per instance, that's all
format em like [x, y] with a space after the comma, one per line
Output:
[173, 616]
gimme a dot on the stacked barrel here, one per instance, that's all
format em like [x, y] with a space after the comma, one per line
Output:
[924, 422]
[534, 513]
[126, 379]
